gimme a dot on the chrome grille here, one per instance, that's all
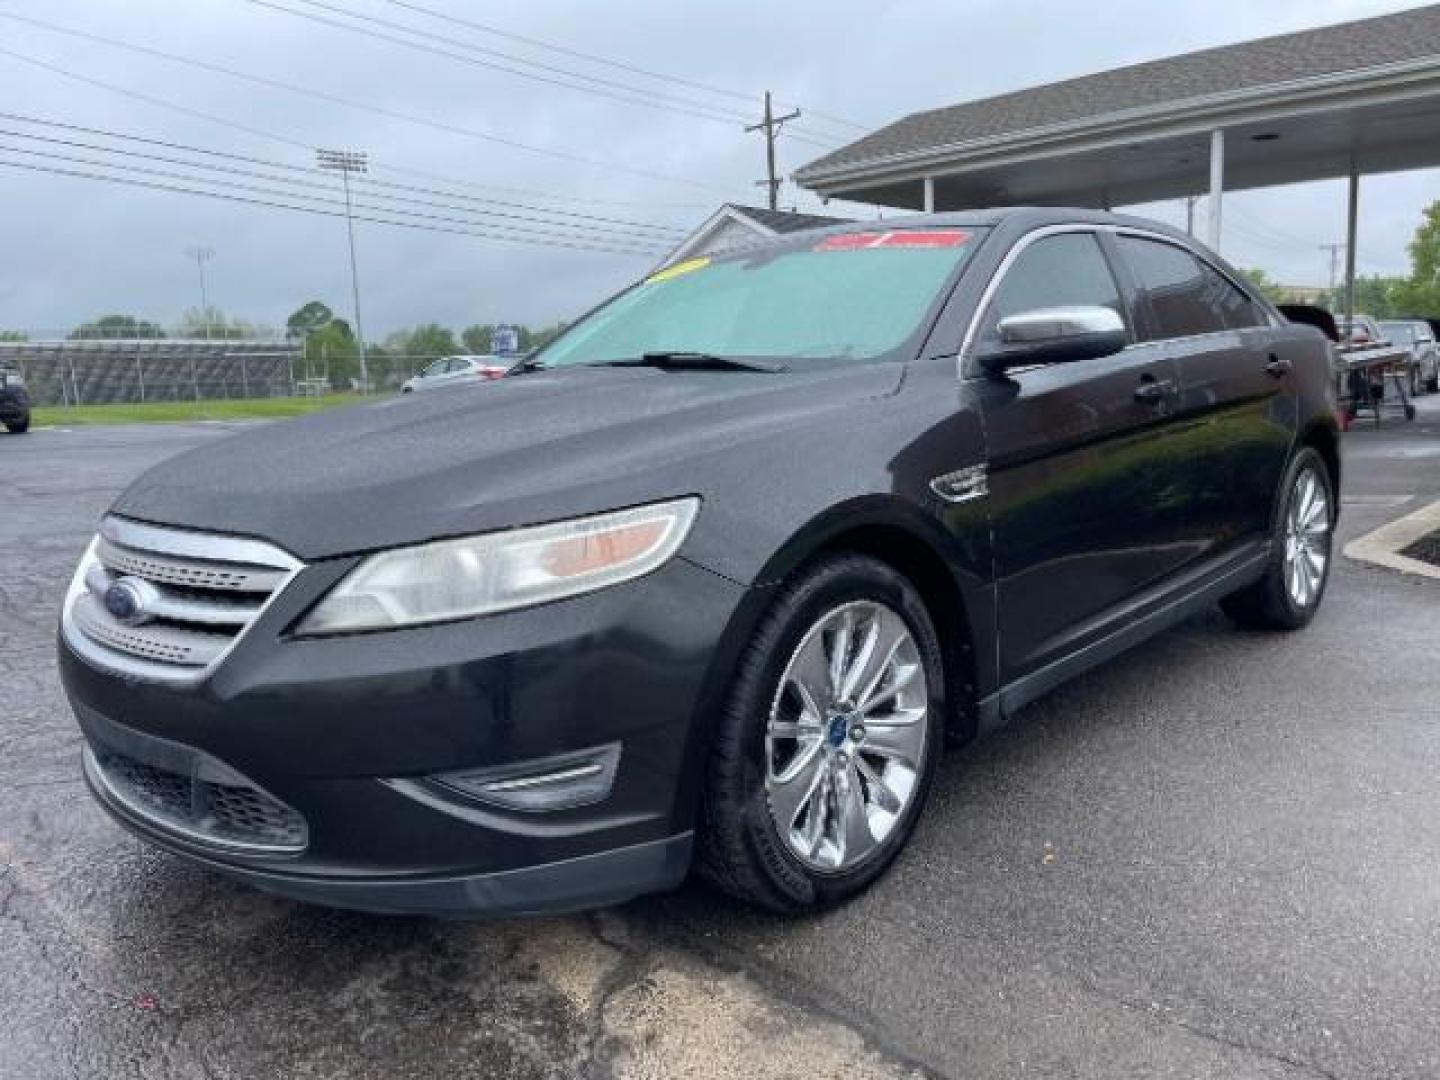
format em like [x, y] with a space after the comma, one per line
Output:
[188, 597]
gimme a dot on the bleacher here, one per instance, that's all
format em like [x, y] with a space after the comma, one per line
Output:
[166, 369]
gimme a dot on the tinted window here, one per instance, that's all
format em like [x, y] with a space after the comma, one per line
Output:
[1057, 271]
[1186, 295]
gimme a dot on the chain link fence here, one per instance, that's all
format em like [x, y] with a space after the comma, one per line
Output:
[98, 372]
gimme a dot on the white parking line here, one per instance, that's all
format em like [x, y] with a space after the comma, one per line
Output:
[1383, 546]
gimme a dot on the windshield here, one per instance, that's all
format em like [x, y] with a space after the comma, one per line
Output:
[1398, 331]
[852, 295]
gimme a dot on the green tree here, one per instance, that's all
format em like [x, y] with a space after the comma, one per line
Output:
[14, 335]
[1420, 293]
[542, 337]
[331, 353]
[1377, 296]
[426, 341]
[214, 324]
[476, 339]
[1271, 290]
[308, 318]
[113, 327]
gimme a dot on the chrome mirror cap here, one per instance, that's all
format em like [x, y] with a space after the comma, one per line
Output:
[1054, 335]
[1049, 324]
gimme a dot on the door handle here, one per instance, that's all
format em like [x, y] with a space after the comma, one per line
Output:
[1154, 390]
[1278, 368]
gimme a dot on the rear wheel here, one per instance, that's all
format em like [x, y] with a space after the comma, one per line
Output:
[19, 427]
[827, 745]
[1298, 568]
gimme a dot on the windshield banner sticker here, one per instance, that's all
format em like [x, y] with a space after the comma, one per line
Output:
[686, 267]
[904, 238]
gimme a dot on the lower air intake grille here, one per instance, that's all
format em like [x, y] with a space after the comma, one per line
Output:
[235, 815]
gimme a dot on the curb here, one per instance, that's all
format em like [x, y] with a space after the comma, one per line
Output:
[1383, 546]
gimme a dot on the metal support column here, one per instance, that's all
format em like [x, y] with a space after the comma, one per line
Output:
[929, 194]
[1217, 186]
[1352, 216]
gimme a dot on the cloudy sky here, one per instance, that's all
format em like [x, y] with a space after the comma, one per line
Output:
[575, 169]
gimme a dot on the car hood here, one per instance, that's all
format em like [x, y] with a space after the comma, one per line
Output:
[531, 448]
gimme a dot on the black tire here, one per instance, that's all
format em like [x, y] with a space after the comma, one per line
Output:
[19, 427]
[1432, 385]
[1268, 603]
[740, 849]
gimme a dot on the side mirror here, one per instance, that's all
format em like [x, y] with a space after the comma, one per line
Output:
[1055, 335]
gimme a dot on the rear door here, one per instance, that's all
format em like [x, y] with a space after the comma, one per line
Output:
[1081, 457]
[1235, 412]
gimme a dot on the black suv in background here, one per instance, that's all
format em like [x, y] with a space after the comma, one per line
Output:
[14, 401]
[707, 578]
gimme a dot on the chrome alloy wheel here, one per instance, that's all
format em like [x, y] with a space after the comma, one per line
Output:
[846, 738]
[1307, 539]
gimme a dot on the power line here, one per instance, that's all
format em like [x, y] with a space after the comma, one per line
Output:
[618, 65]
[600, 233]
[163, 103]
[581, 221]
[649, 100]
[643, 245]
[423, 222]
[681, 106]
[335, 99]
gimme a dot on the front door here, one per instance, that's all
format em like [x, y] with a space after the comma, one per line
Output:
[1235, 413]
[1081, 462]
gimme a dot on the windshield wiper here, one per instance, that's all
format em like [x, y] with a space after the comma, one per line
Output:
[697, 360]
[526, 363]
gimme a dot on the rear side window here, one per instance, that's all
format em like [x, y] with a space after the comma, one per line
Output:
[1186, 295]
[1063, 270]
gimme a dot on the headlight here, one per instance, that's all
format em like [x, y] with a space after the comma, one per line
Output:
[481, 575]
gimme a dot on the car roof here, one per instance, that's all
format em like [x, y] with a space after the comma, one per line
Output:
[1023, 218]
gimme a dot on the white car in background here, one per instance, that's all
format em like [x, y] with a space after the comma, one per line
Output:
[1417, 336]
[456, 370]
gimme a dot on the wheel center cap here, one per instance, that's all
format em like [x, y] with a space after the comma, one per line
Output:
[837, 730]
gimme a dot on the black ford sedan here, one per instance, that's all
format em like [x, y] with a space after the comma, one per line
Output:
[708, 580]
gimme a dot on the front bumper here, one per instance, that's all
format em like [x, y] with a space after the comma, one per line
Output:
[352, 732]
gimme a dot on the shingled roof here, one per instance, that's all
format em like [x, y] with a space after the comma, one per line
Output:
[785, 221]
[1273, 61]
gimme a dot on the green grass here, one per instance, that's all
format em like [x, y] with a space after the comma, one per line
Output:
[152, 412]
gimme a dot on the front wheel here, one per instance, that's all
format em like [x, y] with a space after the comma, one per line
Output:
[19, 427]
[827, 745]
[1298, 568]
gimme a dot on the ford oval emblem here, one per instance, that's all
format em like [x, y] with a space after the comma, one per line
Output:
[126, 602]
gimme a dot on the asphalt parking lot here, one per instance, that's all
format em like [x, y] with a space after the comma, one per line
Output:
[1217, 856]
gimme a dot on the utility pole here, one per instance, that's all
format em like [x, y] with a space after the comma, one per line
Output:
[202, 255]
[771, 127]
[1190, 201]
[345, 162]
[1334, 250]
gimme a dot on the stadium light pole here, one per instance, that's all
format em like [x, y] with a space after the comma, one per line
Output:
[202, 255]
[346, 162]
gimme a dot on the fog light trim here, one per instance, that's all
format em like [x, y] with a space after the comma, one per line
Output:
[560, 782]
